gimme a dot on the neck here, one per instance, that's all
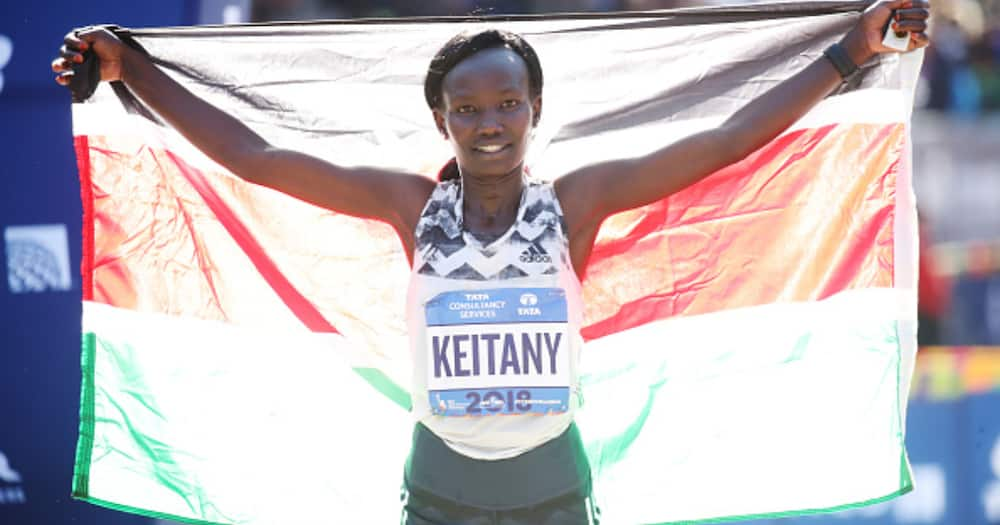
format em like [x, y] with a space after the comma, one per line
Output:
[490, 203]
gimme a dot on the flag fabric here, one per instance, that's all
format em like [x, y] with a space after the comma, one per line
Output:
[749, 339]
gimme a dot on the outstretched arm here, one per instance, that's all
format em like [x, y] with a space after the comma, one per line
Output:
[392, 197]
[593, 193]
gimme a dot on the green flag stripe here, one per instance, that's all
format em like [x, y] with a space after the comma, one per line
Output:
[151, 421]
[386, 386]
[85, 444]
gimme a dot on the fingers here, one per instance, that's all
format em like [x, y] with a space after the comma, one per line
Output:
[909, 26]
[85, 35]
[63, 66]
[70, 55]
[893, 4]
[911, 20]
[906, 4]
[60, 64]
[64, 78]
[905, 17]
[83, 39]
[913, 13]
[918, 40]
[905, 8]
[66, 59]
[73, 41]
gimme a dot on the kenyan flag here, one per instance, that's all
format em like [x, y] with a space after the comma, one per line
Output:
[750, 339]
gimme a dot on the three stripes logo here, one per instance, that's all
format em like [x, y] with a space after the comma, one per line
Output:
[535, 254]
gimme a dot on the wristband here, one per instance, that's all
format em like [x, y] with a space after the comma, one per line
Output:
[86, 76]
[843, 63]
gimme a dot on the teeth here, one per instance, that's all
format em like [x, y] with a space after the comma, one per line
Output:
[489, 149]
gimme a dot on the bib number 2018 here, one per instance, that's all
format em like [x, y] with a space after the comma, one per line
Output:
[498, 401]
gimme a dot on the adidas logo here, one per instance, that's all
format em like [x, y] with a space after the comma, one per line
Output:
[534, 254]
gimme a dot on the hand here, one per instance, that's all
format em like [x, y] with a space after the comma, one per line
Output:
[108, 48]
[908, 16]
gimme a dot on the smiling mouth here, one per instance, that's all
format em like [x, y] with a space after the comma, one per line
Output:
[494, 148]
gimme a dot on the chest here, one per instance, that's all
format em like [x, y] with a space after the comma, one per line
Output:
[534, 244]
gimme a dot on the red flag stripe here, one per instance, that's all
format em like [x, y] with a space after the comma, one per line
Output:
[302, 307]
[683, 257]
[686, 255]
[80, 144]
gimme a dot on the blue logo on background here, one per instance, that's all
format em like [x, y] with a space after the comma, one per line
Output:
[991, 493]
[7, 473]
[10, 490]
[37, 258]
[6, 50]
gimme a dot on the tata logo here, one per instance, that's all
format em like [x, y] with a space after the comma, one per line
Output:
[528, 305]
[6, 50]
[10, 488]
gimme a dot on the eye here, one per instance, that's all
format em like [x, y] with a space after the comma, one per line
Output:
[510, 104]
[466, 109]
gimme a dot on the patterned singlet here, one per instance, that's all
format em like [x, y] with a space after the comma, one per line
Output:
[494, 327]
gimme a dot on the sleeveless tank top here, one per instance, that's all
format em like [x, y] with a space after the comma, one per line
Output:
[494, 327]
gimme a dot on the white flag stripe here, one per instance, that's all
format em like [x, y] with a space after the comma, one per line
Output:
[759, 406]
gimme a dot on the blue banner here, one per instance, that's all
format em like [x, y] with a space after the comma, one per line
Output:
[40, 282]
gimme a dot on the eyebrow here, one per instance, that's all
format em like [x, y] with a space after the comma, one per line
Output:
[465, 93]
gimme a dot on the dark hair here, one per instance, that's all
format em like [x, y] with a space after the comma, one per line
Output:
[463, 46]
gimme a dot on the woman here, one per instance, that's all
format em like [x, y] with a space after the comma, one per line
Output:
[494, 305]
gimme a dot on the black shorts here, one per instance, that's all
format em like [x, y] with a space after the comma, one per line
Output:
[426, 509]
[548, 485]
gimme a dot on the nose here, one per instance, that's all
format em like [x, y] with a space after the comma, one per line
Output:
[489, 124]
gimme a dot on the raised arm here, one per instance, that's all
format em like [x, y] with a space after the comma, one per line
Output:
[395, 198]
[590, 195]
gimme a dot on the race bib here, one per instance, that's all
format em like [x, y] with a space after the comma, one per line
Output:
[498, 352]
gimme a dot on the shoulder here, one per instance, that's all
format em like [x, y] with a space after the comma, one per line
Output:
[443, 197]
[447, 191]
[410, 194]
[535, 186]
[538, 191]
[413, 189]
[541, 205]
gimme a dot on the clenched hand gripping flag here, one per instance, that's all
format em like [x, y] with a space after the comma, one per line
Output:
[750, 339]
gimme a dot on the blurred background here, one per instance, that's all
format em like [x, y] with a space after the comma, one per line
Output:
[953, 430]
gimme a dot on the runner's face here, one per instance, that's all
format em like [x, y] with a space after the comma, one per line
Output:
[488, 112]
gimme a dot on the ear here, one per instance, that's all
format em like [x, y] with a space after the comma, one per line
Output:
[439, 122]
[536, 106]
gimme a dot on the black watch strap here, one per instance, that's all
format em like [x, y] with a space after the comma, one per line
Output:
[841, 61]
